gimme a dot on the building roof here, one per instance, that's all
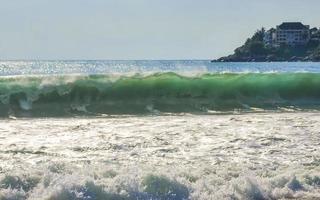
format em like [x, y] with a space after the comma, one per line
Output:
[292, 26]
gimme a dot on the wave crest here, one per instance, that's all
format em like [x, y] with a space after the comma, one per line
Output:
[157, 93]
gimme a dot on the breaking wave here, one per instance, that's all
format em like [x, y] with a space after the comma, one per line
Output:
[44, 96]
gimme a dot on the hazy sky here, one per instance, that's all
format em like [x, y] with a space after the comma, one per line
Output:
[139, 29]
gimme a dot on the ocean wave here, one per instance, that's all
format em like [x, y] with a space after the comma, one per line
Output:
[44, 96]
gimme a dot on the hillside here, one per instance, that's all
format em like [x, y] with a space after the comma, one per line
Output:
[255, 50]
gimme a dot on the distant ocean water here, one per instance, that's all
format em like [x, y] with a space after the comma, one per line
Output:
[154, 130]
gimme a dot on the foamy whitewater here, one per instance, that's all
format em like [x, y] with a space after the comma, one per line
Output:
[140, 130]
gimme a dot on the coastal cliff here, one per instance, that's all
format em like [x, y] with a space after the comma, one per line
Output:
[255, 50]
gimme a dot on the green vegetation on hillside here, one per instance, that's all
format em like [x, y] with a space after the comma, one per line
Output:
[255, 49]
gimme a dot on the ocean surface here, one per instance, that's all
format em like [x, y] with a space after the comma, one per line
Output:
[141, 130]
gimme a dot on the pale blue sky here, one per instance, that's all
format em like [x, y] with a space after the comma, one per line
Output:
[139, 29]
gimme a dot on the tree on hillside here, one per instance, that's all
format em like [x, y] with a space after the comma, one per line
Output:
[258, 35]
[254, 45]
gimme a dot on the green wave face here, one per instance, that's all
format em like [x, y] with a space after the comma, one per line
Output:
[157, 93]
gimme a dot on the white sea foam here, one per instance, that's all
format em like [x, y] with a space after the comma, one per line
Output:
[249, 156]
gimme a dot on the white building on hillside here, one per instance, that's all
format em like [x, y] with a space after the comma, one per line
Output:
[289, 33]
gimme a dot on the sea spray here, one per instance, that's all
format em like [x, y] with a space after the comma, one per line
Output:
[46, 184]
[249, 156]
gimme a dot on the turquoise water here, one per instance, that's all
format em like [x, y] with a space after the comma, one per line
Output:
[68, 88]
